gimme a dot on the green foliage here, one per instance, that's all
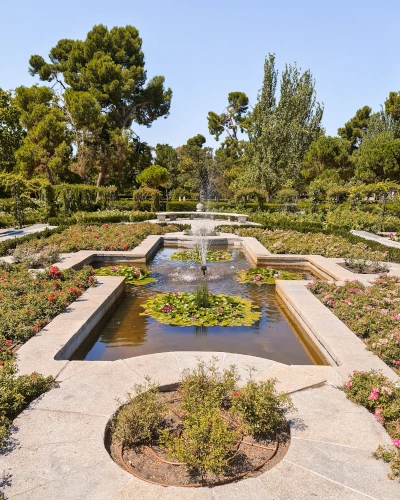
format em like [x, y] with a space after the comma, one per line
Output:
[259, 408]
[328, 153]
[153, 176]
[46, 149]
[366, 266]
[202, 298]
[392, 105]
[381, 397]
[75, 197]
[312, 243]
[378, 159]
[372, 312]
[169, 158]
[140, 419]
[207, 441]
[232, 119]
[11, 131]
[101, 217]
[181, 206]
[133, 275]
[104, 237]
[105, 92]
[16, 392]
[355, 129]
[213, 417]
[146, 193]
[194, 256]
[287, 195]
[281, 132]
[31, 258]
[29, 301]
[244, 194]
[180, 308]
[265, 275]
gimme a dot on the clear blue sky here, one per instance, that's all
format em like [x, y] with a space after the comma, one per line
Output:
[206, 49]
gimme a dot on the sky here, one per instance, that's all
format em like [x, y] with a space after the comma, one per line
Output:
[209, 48]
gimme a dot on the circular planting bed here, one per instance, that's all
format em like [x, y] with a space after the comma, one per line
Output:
[201, 308]
[133, 275]
[265, 275]
[194, 256]
[205, 432]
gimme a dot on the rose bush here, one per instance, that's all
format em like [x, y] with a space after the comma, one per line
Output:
[104, 237]
[28, 301]
[382, 398]
[293, 242]
[371, 312]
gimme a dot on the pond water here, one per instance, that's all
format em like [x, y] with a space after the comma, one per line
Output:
[124, 333]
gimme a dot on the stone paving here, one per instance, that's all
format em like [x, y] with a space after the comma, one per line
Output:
[9, 233]
[56, 450]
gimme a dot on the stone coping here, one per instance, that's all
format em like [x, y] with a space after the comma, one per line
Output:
[56, 449]
[161, 216]
[48, 352]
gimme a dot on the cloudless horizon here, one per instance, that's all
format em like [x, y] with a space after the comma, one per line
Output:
[207, 49]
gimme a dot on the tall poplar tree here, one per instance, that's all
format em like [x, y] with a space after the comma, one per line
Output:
[281, 130]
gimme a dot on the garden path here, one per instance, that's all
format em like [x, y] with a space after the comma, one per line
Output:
[9, 233]
[57, 450]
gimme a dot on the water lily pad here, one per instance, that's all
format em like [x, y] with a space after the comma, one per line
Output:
[133, 275]
[265, 275]
[179, 308]
[194, 256]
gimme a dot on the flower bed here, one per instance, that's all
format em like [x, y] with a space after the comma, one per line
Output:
[372, 312]
[262, 275]
[28, 301]
[204, 433]
[133, 275]
[382, 398]
[194, 256]
[182, 308]
[105, 237]
[328, 245]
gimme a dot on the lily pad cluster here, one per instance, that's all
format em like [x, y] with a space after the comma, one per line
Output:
[180, 308]
[265, 275]
[194, 256]
[133, 275]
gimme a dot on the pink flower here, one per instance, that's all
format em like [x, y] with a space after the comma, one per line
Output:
[236, 394]
[176, 293]
[396, 442]
[378, 415]
[349, 383]
[194, 319]
[136, 271]
[374, 395]
[219, 308]
[234, 313]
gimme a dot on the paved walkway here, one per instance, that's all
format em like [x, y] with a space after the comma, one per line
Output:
[56, 450]
[9, 233]
[374, 237]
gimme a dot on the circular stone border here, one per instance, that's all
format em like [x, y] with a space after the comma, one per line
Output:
[277, 450]
[56, 449]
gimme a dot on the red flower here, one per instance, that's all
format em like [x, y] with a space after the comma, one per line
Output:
[126, 247]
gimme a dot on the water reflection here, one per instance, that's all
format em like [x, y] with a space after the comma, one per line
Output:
[128, 334]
